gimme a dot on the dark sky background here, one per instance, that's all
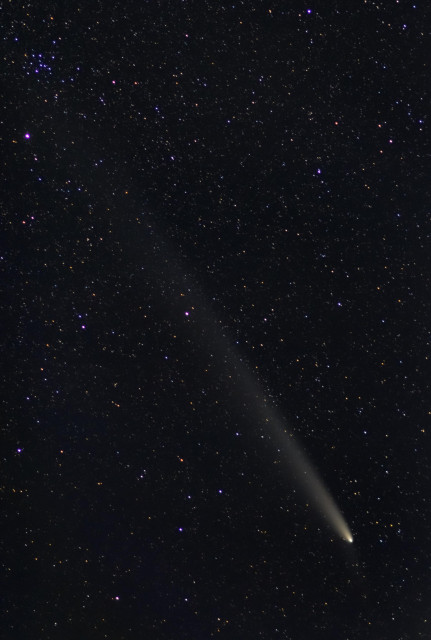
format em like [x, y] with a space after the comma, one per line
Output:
[215, 222]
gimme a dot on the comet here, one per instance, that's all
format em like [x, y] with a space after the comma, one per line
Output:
[228, 364]
[307, 479]
[298, 466]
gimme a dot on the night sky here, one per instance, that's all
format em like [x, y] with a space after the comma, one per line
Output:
[215, 265]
